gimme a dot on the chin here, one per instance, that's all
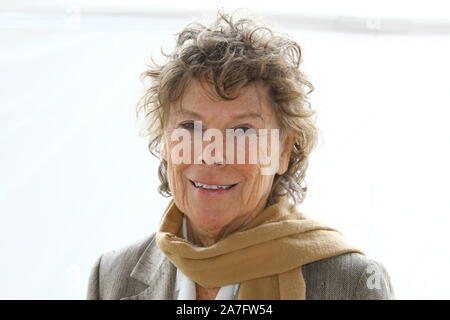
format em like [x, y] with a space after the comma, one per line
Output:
[209, 217]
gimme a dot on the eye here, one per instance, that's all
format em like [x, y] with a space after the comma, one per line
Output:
[241, 130]
[191, 126]
[187, 125]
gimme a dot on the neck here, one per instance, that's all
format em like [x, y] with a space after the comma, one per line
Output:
[206, 238]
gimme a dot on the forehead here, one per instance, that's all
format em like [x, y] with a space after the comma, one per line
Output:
[200, 97]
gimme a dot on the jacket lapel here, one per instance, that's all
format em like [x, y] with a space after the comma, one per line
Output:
[157, 272]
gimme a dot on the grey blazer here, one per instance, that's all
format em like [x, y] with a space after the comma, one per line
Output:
[142, 272]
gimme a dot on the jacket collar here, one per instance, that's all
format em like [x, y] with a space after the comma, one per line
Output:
[157, 272]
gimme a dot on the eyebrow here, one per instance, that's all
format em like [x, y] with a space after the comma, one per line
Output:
[249, 114]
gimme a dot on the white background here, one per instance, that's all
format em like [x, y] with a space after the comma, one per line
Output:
[77, 180]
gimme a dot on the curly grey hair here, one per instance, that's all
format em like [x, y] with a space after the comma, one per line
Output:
[229, 55]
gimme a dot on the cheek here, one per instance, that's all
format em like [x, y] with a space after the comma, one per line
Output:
[174, 169]
[254, 182]
[175, 176]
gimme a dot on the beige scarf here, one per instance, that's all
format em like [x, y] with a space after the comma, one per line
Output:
[265, 256]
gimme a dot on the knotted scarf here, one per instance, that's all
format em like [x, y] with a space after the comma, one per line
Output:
[265, 255]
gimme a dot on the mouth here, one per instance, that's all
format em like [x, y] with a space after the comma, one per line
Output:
[216, 188]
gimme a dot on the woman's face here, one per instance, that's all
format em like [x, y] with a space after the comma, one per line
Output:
[212, 214]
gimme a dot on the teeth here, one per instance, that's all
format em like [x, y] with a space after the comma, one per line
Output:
[211, 187]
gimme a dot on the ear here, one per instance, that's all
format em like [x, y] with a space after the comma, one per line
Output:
[285, 154]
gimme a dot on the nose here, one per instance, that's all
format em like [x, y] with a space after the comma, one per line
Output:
[213, 164]
[211, 158]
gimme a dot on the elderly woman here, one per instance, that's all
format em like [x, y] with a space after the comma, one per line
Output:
[232, 229]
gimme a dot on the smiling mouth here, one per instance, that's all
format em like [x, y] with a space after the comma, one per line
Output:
[200, 185]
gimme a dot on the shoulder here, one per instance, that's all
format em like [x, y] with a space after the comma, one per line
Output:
[124, 259]
[350, 276]
[110, 274]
